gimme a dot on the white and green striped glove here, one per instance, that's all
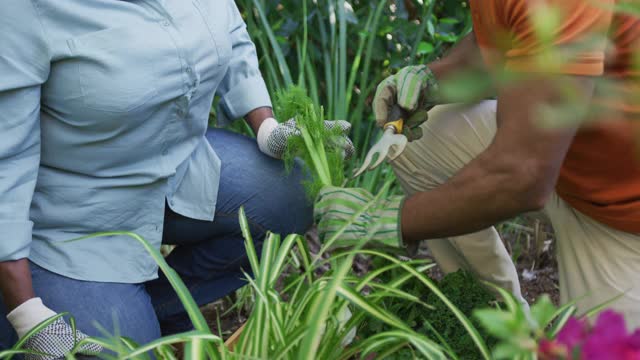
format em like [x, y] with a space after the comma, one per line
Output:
[413, 88]
[379, 223]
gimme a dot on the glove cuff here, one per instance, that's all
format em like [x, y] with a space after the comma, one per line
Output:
[412, 249]
[266, 129]
[432, 96]
[29, 315]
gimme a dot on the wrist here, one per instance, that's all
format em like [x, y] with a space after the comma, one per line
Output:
[387, 223]
[28, 315]
[267, 127]
[410, 246]
[257, 117]
[15, 286]
[431, 96]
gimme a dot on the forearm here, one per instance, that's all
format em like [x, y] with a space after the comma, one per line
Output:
[15, 283]
[463, 64]
[465, 56]
[256, 117]
[515, 174]
[479, 196]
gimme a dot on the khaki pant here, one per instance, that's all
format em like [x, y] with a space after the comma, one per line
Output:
[596, 262]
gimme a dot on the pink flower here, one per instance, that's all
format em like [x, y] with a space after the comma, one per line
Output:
[606, 340]
[609, 340]
[632, 351]
[574, 333]
[634, 340]
[552, 350]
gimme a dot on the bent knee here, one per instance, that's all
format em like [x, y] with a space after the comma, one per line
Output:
[286, 208]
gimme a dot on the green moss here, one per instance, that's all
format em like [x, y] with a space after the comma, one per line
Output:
[463, 290]
[467, 294]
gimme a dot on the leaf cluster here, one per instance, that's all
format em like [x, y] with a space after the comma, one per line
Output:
[468, 294]
[319, 147]
[464, 291]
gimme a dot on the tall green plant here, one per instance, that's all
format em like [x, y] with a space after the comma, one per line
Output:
[352, 46]
[320, 148]
[304, 320]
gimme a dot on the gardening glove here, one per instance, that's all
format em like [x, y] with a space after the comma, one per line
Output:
[273, 137]
[379, 223]
[414, 89]
[54, 341]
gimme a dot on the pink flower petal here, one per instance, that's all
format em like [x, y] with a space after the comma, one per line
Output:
[634, 339]
[632, 351]
[552, 350]
[608, 338]
[611, 325]
[574, 333]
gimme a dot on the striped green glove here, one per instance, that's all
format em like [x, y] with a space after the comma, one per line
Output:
[414, 89]
[379, 223]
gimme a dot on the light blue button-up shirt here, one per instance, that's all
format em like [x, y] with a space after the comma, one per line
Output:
[103, 109]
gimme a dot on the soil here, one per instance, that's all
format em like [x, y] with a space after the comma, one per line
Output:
[530, 243]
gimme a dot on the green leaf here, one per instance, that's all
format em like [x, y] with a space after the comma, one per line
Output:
[561, 317]
[431, 28]
[497, 322]
[543, 311]
[188, 338]
[507, 351]
[449, 21]
[425, 48]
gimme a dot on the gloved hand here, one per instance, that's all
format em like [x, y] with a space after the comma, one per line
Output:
[273, 137]
[380, 223]
[56, 340]
[414, 89]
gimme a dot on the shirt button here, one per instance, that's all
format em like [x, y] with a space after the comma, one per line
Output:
[165, 152]
[188, 70]
[165, 23]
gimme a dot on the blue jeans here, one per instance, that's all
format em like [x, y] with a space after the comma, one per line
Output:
[210, 256]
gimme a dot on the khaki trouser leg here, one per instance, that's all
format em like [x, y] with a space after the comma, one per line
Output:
[453, 136]
[596, 262]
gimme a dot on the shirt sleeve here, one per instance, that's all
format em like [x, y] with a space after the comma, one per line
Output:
[557, 36]
[243, 89]
[24, 66]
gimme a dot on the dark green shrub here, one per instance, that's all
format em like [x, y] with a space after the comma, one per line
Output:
[439, 323]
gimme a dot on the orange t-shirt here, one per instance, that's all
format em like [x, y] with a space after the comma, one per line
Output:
[600, 176]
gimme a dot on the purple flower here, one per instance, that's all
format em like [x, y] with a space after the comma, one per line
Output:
[634, 340]
[574, 333]
[609, 340]
[633, 346]
[606, 340]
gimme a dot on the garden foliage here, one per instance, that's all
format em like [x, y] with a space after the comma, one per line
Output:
[339, 51]
[438, 322]
[318, 146]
